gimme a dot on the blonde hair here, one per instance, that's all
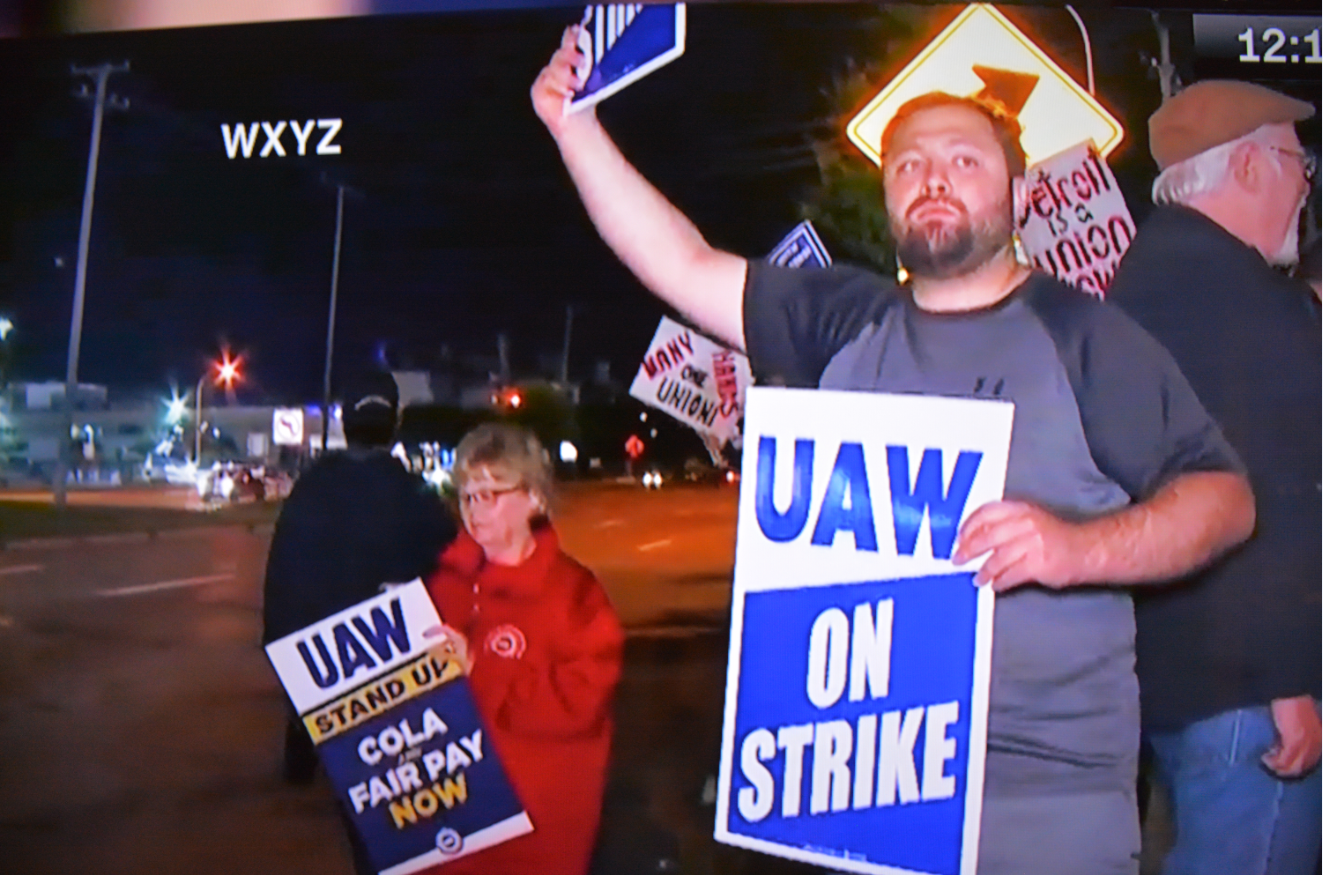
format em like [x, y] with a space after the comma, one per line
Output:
[507, 450]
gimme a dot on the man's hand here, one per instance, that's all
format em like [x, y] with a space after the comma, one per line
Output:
[1027, 545]
[1299, 737]
[557, 81]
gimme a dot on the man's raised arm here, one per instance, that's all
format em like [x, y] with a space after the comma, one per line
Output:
[654, 239]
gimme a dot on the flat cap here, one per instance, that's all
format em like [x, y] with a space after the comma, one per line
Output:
[1214, 112]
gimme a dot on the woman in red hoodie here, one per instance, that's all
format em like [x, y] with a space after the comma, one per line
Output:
[543, 646]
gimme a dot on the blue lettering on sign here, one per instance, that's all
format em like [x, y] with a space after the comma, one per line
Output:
[944, 510]
[778, 526]
[847, 477]
[352, 651]
[384, 632]
[322, 678]
[847, 503]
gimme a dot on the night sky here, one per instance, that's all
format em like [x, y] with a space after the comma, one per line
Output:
[466, 224]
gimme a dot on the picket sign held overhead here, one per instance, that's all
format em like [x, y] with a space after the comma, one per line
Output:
[622, 43]
[856, 702]
[801, 248]
[384, 698]
[1074, 222]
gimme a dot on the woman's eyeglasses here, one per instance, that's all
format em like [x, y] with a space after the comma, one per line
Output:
[485, 497]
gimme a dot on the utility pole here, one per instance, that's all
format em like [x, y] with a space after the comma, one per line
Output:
[330, 319]
[565, 351]
[1167, 77]
[341, 191]
[99, 74]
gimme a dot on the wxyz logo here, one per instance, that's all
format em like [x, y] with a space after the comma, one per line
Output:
[241, 140]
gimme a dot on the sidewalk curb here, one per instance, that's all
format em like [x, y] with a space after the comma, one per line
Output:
[101, 540]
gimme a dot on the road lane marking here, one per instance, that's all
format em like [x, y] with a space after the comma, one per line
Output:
[22, 569]
[124, 538]
[643, 548]
[608, 523]
[41, 544]
[163, 585]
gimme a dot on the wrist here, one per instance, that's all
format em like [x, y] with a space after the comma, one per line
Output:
[575, 128]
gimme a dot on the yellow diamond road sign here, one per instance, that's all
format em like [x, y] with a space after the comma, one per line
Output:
[982, 52]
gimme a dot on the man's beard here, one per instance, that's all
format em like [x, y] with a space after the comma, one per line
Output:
[941, 252]
[1288, 255]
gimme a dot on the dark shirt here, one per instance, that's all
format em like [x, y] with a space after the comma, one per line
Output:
[354, 520]
[1246, 630]
[1102, 418]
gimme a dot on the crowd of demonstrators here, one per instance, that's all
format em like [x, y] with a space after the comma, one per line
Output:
[355, 520]
[1141, 484]
[1165, 448]
[1229, 659]
[543, 647]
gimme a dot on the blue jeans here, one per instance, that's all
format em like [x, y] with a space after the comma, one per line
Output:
[1232, 815]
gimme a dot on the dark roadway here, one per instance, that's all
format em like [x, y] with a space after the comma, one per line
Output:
[139, 720]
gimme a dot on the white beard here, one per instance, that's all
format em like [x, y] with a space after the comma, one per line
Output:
[1288, 254]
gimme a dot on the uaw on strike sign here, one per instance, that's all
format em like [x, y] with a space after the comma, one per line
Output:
[395, 726]
[857, 684]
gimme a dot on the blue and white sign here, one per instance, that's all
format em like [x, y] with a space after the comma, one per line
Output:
[857, 683]
[385, 700]
[801, 248]
[622, 43]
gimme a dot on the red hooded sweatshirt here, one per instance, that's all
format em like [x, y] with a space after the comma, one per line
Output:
[546, 647]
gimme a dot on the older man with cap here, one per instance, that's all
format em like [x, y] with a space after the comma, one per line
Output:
[1228, 659]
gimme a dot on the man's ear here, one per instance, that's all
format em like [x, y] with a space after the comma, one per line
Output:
[1019, 198]
[1245, 166]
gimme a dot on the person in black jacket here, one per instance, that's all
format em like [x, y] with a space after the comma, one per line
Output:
[354, 521]
[1228, 659]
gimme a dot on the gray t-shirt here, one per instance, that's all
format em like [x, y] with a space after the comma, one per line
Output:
[1103, 418]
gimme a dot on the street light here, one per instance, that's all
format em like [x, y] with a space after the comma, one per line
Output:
[227, 372]
[6, 326]
[175, 408]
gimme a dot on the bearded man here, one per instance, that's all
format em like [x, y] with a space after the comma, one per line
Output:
[1116, 477]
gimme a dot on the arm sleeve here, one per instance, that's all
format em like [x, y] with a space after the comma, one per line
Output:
[1143, 422]
[431, 528]
[571, 692]
[796, 319]
[281, 593]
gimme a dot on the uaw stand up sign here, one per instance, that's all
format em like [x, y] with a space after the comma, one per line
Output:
[857, 683]
[386, 703]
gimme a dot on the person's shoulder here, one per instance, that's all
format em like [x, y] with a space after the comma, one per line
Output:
[1175, 247]
[571, 571]
[839, 277]
[1073, 316]
[586, 595]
